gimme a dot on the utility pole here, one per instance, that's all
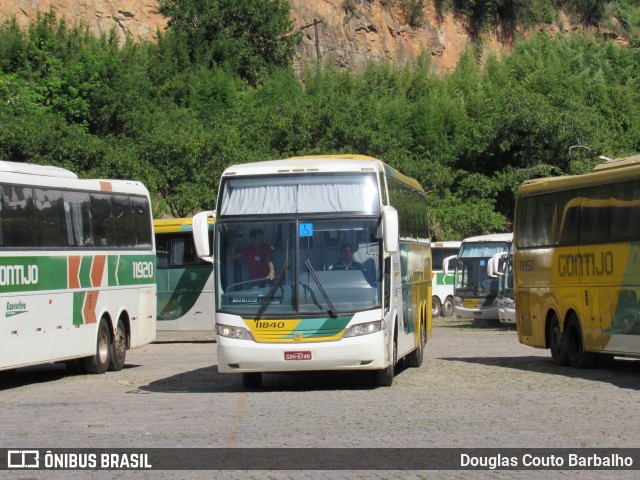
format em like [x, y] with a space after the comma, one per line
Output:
[315, 28]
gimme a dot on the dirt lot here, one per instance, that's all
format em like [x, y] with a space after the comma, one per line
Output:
[478, 388]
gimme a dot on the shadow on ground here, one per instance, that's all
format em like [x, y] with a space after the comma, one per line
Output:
[207, 380]
[623, 373]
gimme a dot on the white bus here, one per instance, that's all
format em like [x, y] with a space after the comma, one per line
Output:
[442, 301]
[77, 268]
[500, 266]
[321, 263]
[476, 292]
[185, 281]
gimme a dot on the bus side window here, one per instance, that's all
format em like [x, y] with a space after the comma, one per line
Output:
[50, 218]
[17, 215]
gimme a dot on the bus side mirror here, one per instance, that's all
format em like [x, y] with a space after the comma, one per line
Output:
[200, 224]
[391, 229]
[446, 268]
[495, 265]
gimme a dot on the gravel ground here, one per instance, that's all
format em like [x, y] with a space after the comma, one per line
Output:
[477, 388]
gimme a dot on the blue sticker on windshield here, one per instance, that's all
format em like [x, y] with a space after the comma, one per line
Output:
[305, 230]
[483, 263]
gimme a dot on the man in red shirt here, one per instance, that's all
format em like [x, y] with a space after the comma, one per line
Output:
[257, 256]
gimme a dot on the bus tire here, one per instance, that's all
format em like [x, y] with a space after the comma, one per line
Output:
[557, 343]
[119, 348]
[575, 347]
[436, 307]
[447, 307]
[415, 358]
[252, 380]
[384, 377]
[100, 361]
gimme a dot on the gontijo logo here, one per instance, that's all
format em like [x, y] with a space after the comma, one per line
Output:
[18, 275]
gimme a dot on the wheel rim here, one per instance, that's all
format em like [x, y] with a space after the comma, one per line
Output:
[103, 346]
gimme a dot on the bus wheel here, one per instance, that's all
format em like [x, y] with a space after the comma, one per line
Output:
[575, 348]
[414, 359]
[436, 308]
[447, 307]
[384, 377]
[100, 361]
[252, 380]
[557, 343]
[119, 348]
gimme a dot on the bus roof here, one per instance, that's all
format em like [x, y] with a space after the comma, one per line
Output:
[614, 170]
[492, 237]
[618, 163]
[322, 163]
[447, 244]
[173, 225]
[34, 169]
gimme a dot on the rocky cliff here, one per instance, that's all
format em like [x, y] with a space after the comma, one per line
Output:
[349, 33]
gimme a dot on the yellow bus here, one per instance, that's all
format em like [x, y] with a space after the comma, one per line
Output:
[320, 263]
[577, 264]
[184, 281]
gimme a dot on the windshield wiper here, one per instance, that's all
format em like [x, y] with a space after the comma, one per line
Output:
[274, 287]
[332, 310]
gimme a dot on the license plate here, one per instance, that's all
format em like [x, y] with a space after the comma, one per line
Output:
[297, 355]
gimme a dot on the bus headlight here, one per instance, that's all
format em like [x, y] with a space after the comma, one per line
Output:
[238, 333]
[457, 301]
[364, 328]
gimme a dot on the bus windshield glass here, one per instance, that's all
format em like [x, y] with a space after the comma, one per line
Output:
[306, 194]
[472, 268]
[298, 267]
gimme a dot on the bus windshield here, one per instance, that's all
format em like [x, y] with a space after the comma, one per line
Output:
[310, 193]
[298, 267]
[472, 268]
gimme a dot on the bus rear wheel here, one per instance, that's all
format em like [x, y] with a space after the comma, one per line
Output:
[252, 380]
[415, 358]
[557, 343]
[578, 357]
[436, 307]
[447, 307]
[119, 350]
[100, 361]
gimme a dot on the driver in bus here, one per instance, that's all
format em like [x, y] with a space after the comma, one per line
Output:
[346, 261]
[257, 255]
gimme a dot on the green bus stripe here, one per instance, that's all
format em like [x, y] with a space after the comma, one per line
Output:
[78, 303]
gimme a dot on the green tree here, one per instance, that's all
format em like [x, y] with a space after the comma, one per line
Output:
[251, 36]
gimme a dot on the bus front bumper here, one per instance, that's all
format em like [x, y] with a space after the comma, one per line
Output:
[489, 313]
[366, 352]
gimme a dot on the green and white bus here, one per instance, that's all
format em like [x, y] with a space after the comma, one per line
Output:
[185, 282]
[442, 302]
[320, 263]
[475, 292]
[77, 268]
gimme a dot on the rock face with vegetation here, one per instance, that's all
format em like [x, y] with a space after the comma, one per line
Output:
[349, 33]
[217, 87]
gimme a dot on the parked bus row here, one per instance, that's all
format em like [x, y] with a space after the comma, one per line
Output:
[318, 263]
[312, 263]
